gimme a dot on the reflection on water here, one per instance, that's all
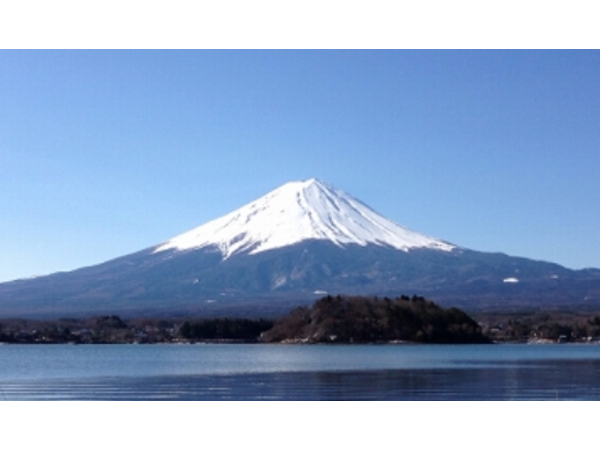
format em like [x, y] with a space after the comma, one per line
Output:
[537, 380]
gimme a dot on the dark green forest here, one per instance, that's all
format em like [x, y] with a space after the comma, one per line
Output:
[225, 329]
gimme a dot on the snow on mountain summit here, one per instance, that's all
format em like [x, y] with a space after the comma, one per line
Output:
[299, 211]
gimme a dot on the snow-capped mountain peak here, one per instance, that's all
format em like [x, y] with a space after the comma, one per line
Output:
[299, 211]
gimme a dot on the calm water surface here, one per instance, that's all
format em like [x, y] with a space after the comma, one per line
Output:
[292, 372]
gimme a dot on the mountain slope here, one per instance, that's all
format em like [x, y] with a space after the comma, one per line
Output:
[290, 247]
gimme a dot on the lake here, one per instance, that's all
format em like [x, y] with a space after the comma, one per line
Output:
[300, 372]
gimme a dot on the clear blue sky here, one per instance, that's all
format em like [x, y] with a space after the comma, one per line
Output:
[106, 153]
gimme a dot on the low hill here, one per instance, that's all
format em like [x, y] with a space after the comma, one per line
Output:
[365, 320]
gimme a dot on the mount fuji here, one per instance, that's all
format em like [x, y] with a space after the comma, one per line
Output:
[289, 247]
[296, 212]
